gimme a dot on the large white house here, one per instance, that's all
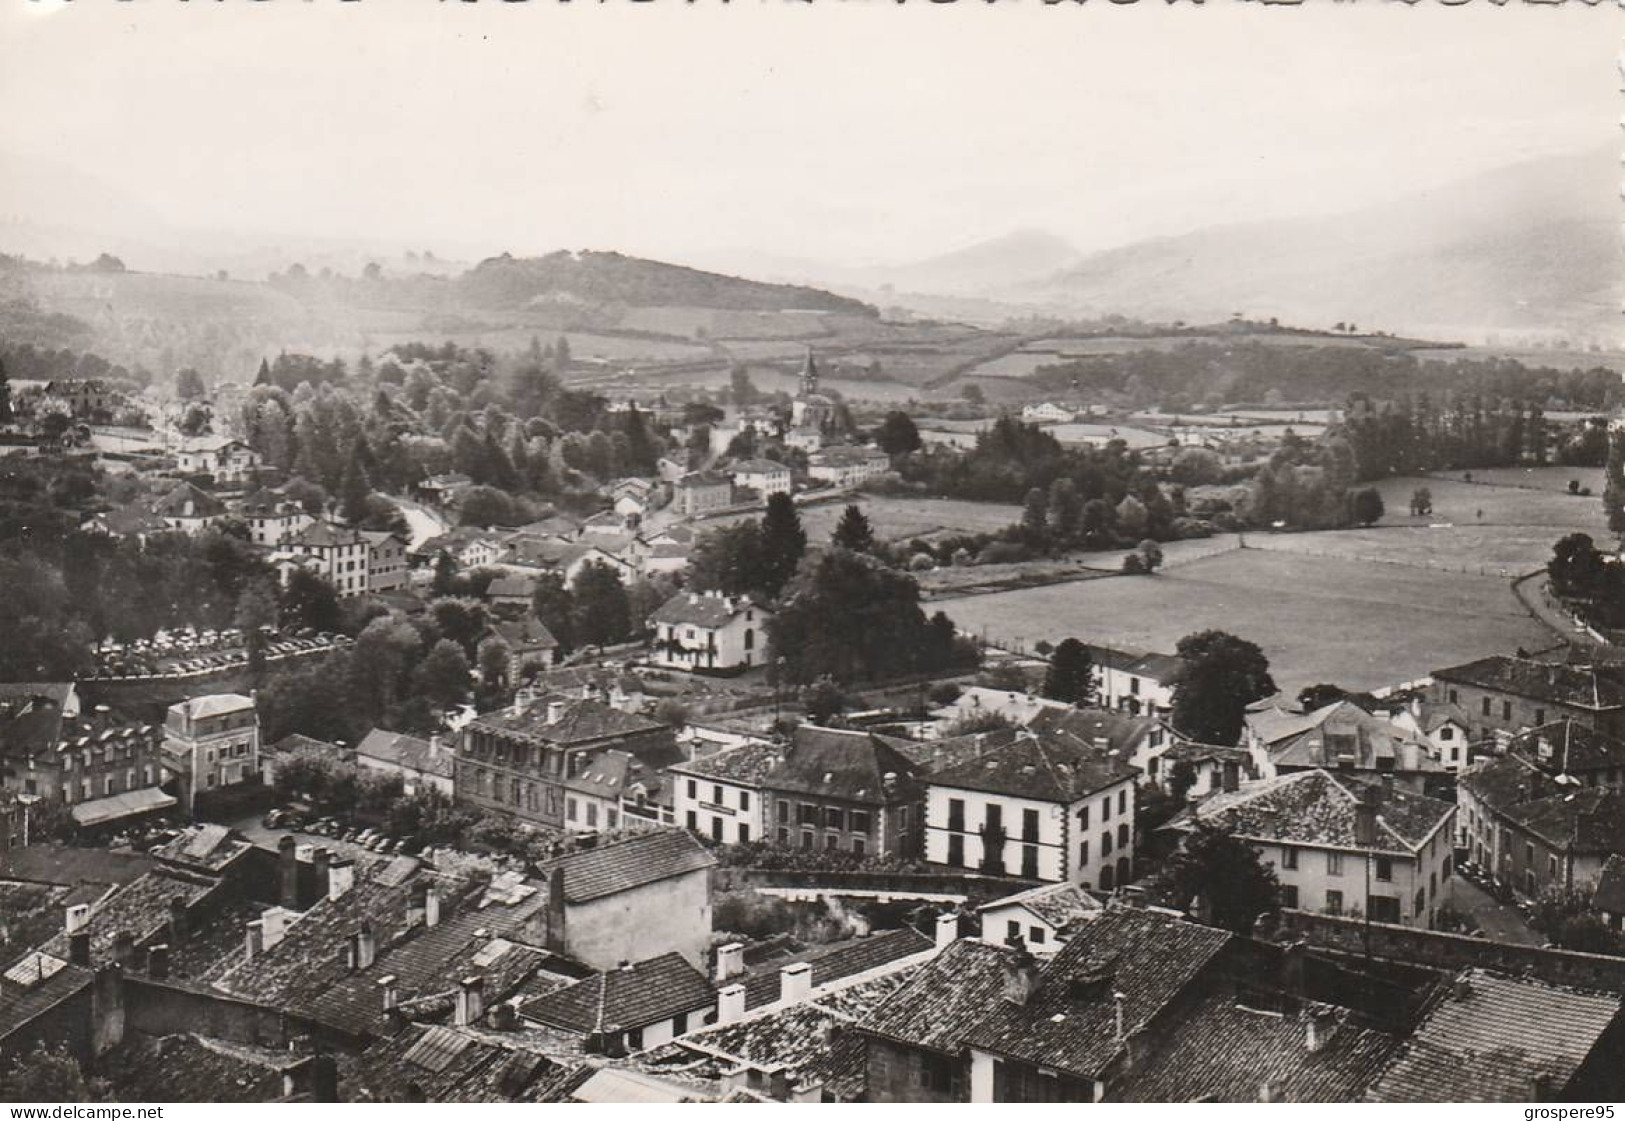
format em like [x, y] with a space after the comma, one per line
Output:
[763, 476]
[709, 631]
[1042, 807]
[845, 466]
[211, 742]
[1341, 846]
[721, 796]
[221, 458]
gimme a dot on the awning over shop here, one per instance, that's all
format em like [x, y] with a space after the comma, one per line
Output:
[128, 804]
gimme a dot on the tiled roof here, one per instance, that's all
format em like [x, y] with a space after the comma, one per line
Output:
[1157, 667]
[834, 961]
[1317, 808]
[611, 774]
[844, 455]
[631, 997]
[759, 467]
[645, 858]
[447, 1064]
[1045, 767]
[1121, 731]
[33, 912]
[575, 679]
[1490, 1036]
[208, 847]
[931, 756]
[1224, 1051]
[1057, 904]
[1595, 688]
[511, 586]
[326, 535]
[187, 1068]
[213, 704]
[52, 980]
[1610, 893]
[694, 480]
[944, 999]
[140, 907]
[796, 1039]
[746, 765]
[707, 610]
[128, 521]
[1567, 746]
[1503, 781]
[1149, 958]
[852, 766]
[580, 722]
[1590, 819]
[70, 865]
[406, 751]
[524, 634]
[1343, 730]
[173, 504]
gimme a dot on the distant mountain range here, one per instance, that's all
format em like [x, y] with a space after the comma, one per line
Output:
[1535, 246]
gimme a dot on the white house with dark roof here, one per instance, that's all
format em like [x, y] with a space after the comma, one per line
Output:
[272, 517]
[721, 796]
[1043, 807]
[1042, 917]
[336, 553]
[1340, 737]
[1341, 846]
[222, 458]
[1140, 741]
[189, 509]
[1134, 683]
[846, 466]
[709, 631]
[211, 742]
[421, 764]
[634, 1007]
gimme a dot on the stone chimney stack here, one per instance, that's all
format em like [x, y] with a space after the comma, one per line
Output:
[431, 906]
[366, 946]
[470, 1001]
[158, 962]
[730, 961]
[795, 982]
[390, 988]
[274, 924]
[730, 1003]
[75, 918]
[253, 939]
[1365, 817]
[124, 949]
[1020, 975]
[947, 930]
[79, 948]
[1318, 1025]
[287, 851]
[555, 711]
[340, 878]
[322, 861]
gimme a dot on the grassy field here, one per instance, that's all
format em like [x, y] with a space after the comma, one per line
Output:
[901, 518]
[1355, 623]
[1361, 607]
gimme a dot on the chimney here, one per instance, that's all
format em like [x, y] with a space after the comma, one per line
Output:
[76, 917]
[324, 1078]
[730, 960]
[158, 962]
[505, 1017]
[1268, 1092]
[388, 985]
[1318, 1025]
[1543, 1087]
[730, 1003]
[436, 746]
[795, 982]
[274, 922]
[178, 932]
[253, 939]
[366, 946]
[947, 929]
[288, 871]
[888, 782]
[340, 878]
[431, 906]
[1365, 818]
[1020, 975]
[470, 1001]
[1102, 743]
[557, 940]
[322, 860]
[555, 711]
[1119, 998]
[107, 1009]
[124, 949]
[79, 948]
[1292, 967]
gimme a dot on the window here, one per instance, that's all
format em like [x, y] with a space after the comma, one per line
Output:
[832, 842]
[1106, 844]
[679, 1023]
[744, 799]
[1029, 825]
[634, 1039]
[1012, 931]
[1289, 859]
[956, 851]
[1384, 908]
[1122, 835]
[1334, 864]
[1029, 861]
[1334, 903]
[716, 796]
[1122, 801]
[1106, 808]
[744, 833]
[1506, 710]
[1528, 856]
[956, 814]
[833, 818]
[784, 836]
[592, 814]
[1433, 883]
[1385, 868]
[806, 838]
[693, 822]
[1083, 854]
[1083, 817]
[808, 814]
[784, 812]
[1134, 686]
[1106, 877]
[716, 829]
[1447, 733]
[859, 821]
[570, 811]
[1484, 706]
[1421, 903]
[1551, 867]
[857, 845]
[1289, 896]
[694, 790]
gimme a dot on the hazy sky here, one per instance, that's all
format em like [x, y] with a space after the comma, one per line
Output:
[857, 131]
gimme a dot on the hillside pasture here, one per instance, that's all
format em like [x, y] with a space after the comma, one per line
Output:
[899, 519]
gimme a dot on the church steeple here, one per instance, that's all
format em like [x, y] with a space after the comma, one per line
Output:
[809, 376]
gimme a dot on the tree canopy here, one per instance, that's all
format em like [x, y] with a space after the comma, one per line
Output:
[1218, 677]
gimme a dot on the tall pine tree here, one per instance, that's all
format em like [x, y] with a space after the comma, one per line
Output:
[783, 543]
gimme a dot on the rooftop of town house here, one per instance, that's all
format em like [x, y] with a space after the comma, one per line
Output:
[634, 996]
[1596, 688]
[1056, 904]
[705, 609]
[1316, 808]
[849, 766]
[636, 861]
[1040, 766]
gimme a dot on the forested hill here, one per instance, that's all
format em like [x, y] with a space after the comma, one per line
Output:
[611, 278]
